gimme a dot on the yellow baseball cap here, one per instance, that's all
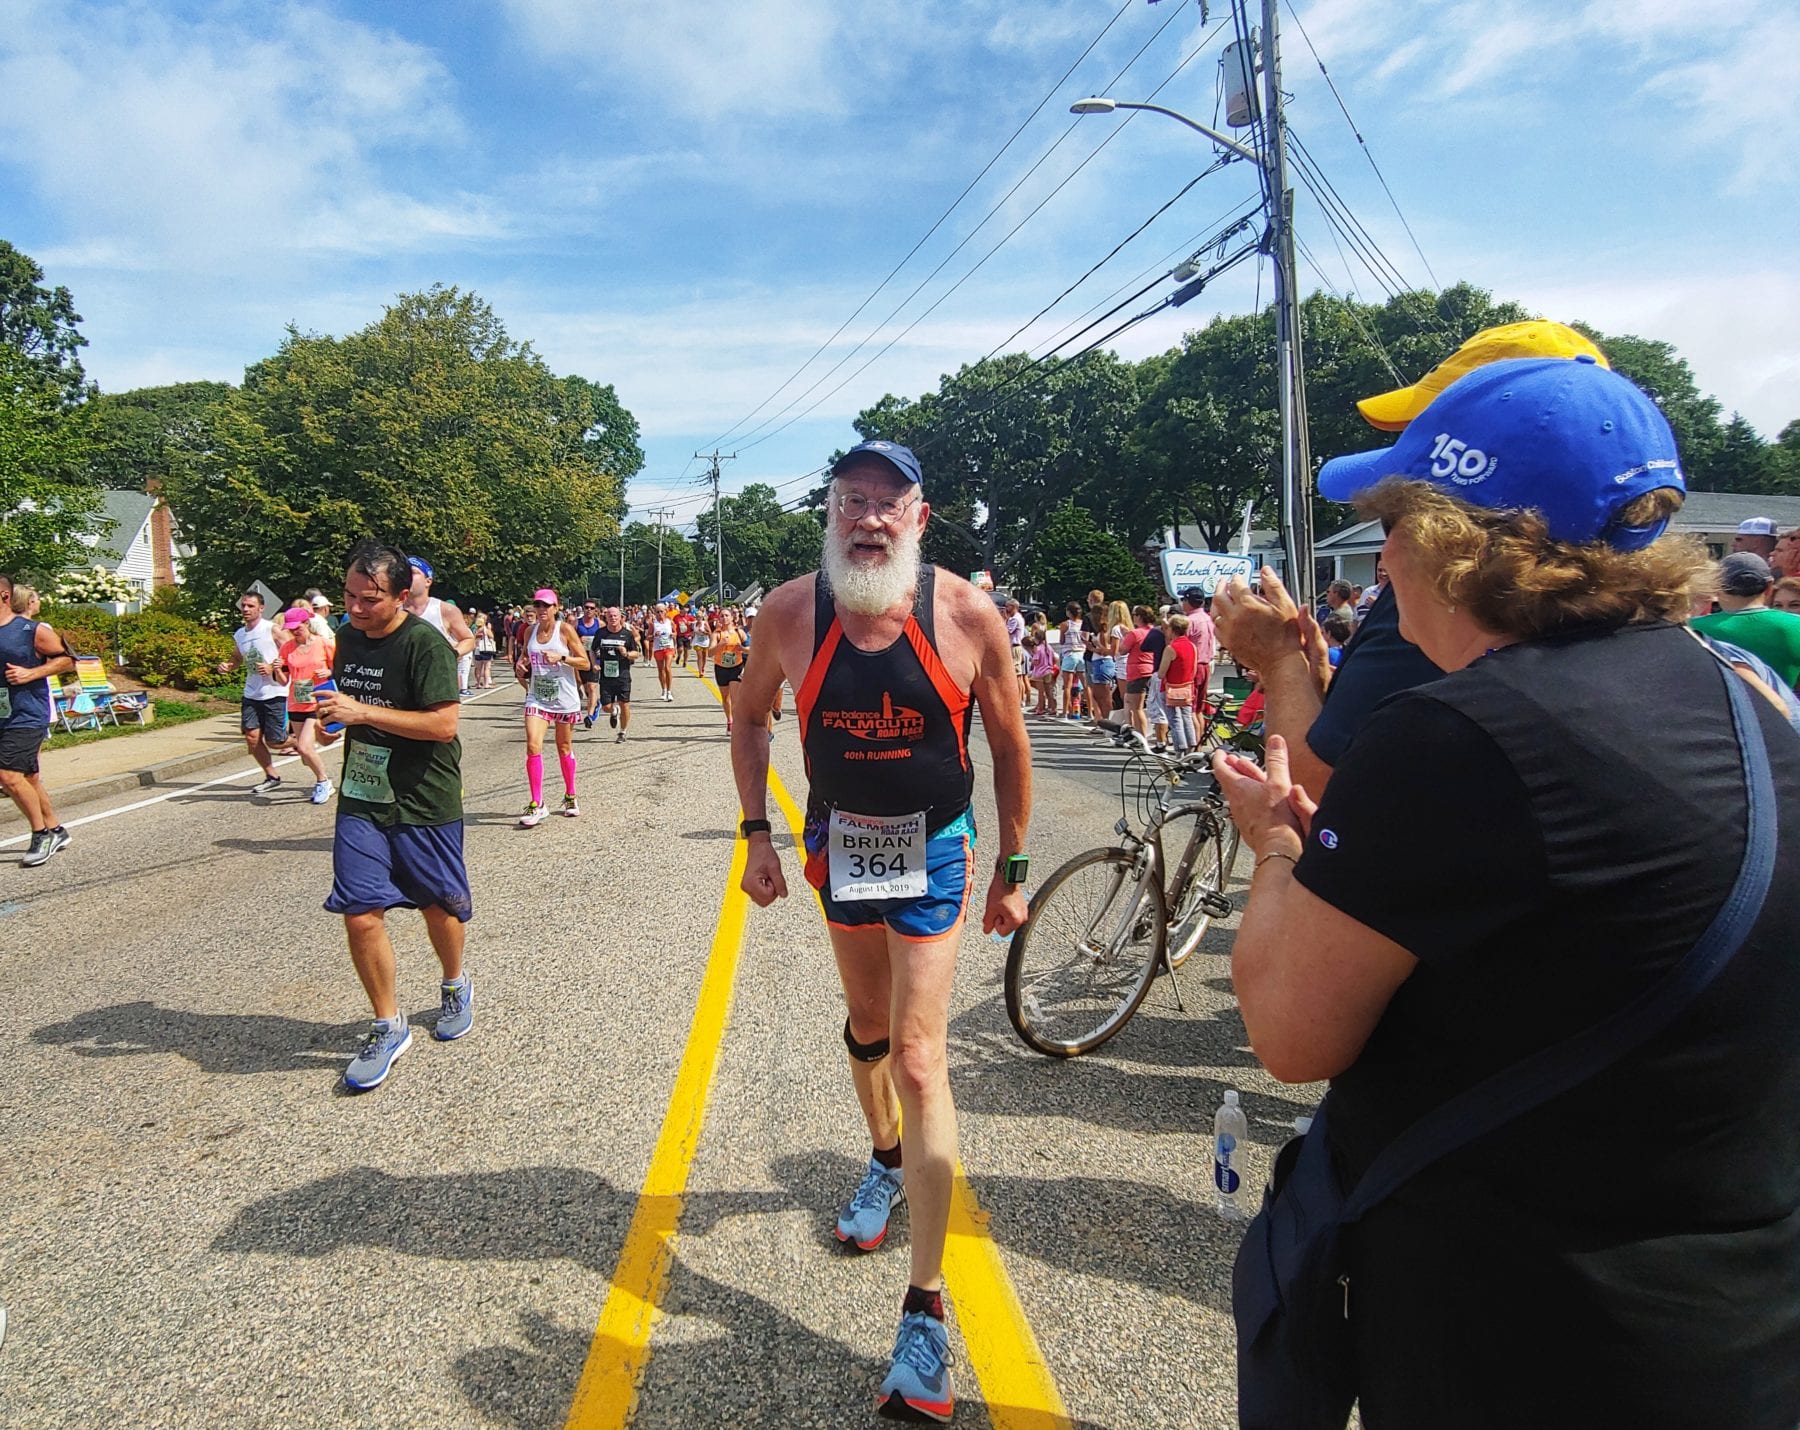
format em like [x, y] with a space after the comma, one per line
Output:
[1538, 338]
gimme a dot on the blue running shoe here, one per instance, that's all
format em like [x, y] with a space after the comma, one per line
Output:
[456, 1010]
[865, 1220]
[918, 1381]
[369, 1068]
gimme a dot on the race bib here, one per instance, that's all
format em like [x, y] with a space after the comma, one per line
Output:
[610, 669]
[5, 702]
[546, 688]
[876, 857]
[366, 774]
[729, 658]
[303, 692]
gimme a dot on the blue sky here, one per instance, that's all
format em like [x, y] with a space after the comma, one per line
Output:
[688, 199]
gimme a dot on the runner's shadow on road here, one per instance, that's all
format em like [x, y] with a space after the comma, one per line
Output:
[321, 845]
[213, 1042]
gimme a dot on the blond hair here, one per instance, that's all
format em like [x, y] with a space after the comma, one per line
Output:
[1504, 569]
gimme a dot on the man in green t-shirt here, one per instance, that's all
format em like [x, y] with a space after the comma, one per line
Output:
[1744, 617]
[399, 838]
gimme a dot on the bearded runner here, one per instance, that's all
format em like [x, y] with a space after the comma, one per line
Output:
[888, 658]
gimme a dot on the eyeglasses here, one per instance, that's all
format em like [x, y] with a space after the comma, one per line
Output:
[855, 506]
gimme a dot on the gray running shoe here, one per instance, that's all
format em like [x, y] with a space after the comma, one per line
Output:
[267, 786]
[40, 850]
[456, 1010]
[369, 1068]
[60, 839]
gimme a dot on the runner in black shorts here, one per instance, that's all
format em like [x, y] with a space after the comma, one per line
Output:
[30, 654]
[729, 654]
[614, 649]
[587, 626]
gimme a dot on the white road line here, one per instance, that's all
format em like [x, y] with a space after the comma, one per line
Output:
[19, 839]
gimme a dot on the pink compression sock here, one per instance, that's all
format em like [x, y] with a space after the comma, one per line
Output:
[568, 768]
[534, 776]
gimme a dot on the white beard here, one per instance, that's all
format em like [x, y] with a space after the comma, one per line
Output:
[871, 588]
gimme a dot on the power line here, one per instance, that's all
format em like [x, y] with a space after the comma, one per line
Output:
[1368, 153]
[1332, 204]
[937, 224]
[962, 244]
[975, 268]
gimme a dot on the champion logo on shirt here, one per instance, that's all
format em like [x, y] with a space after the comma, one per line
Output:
[1328, 838]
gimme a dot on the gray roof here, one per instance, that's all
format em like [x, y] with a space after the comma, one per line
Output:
[130, 510]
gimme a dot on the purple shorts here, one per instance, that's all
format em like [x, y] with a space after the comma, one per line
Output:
[410, 866]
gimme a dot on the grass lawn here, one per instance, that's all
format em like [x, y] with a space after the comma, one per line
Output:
[168, 712]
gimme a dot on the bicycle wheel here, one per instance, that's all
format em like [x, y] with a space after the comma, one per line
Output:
[1190, 917]
[1087, 952]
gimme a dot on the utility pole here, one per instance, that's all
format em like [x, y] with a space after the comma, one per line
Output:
[718, 517]
[621, 570]
[1290, 380]
[662, 518]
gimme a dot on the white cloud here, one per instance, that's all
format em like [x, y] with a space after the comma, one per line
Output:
[207, 141]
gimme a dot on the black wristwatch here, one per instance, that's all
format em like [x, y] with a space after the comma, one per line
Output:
[747, 827]
[1012, 868]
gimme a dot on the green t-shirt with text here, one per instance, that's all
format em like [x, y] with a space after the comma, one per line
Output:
[389, 779]
[1774, 635]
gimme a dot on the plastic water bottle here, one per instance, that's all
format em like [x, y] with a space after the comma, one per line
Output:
[1230, 1132]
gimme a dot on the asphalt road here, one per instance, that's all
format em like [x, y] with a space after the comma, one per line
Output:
[201, 1227]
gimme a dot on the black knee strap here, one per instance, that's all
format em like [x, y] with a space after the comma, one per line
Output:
[865, 1052]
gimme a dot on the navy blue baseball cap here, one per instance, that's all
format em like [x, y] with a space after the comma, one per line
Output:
[422, 566]
[900, 458]
[1571, 440]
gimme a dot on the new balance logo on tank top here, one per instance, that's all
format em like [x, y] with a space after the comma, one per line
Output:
[884, 732]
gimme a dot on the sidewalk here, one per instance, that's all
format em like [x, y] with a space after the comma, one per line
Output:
[157, 757]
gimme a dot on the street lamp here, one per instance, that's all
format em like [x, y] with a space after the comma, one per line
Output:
[1290, 379]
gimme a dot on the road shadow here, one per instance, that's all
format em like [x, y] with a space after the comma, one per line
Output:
[321, 845]
[213, 1042]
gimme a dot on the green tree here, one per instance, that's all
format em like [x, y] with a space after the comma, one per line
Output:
[1741, 461]
[40, 324]
[432, 428]
[680, 566]
[1074, 554]
[134, 436]
[1003, 441]
[42, 516]
[764, 543]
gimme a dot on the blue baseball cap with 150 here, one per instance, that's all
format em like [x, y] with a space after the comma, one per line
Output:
[900, 458]
[1571, 440]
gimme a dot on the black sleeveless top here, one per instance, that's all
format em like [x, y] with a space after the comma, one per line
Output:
[884, 731]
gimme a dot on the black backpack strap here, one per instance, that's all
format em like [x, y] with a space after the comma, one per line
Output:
[824, 610]
[1554, 1070]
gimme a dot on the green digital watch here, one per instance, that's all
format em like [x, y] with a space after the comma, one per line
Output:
[1013, 868]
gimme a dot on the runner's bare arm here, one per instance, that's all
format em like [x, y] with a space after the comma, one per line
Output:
[787, 608]
[435, 722]
[50, 645]
[995, 689]
[456, 626]
[577, 658]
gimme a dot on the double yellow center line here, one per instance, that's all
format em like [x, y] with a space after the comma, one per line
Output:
[1014, 1380]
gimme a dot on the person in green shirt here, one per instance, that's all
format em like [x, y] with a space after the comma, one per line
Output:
[1744, 618]
[399, 836]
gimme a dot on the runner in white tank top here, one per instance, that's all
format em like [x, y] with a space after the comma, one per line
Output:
[553, 655]
[443, 617]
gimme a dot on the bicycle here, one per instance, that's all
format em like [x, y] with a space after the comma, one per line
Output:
[1105, 922]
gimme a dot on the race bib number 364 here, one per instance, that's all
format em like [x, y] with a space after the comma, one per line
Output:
[876, 857]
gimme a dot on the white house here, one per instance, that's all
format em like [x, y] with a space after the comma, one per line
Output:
[144, 546]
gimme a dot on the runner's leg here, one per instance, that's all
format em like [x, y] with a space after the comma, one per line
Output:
[26, 791]
[862, 960]
[373, 956]
[565, 756]
[534, 756]
[447, 933]
[922, 972]
[306, 746]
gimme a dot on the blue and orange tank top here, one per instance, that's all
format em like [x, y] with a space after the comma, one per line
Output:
[884, 731]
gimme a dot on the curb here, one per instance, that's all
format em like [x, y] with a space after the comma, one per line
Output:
[163, 772]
